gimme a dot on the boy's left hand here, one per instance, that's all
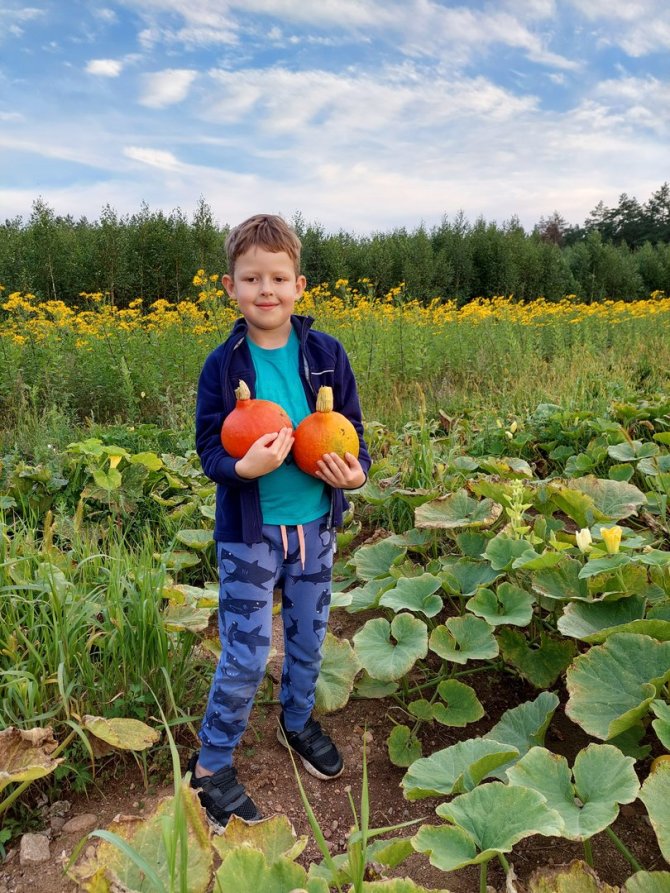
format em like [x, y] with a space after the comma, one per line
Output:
[345, 474]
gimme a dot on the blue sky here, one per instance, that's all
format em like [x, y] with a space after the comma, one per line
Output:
[361, 114]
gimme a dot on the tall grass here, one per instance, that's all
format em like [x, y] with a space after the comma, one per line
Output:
[82, 631]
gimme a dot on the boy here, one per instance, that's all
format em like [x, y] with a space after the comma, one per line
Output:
[275, 525]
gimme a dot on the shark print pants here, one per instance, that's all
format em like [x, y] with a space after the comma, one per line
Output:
[248, 575]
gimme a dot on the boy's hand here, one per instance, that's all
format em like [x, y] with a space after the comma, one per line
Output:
[265, 454]
[345, 474]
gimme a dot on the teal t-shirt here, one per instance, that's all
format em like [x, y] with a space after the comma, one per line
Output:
[288, 495]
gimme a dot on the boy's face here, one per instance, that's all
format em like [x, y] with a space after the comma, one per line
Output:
[266, 288]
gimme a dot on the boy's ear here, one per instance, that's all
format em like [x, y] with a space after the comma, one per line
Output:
[229, 285]
[301, 285]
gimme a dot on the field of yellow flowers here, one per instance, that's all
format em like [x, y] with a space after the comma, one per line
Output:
[142, 362]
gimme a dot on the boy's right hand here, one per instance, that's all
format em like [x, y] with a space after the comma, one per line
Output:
[265, 454]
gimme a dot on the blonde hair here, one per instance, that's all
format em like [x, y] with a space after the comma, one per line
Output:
[267, 231]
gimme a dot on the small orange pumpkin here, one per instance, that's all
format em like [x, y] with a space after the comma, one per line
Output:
[250, 420]
[324, 431]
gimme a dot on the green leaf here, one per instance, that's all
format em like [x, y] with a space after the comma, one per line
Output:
[507, 605]
[661, 724]
[612, 686]
[456, 510]
[530, 560]
[574, 504]
[195, 539]
[525, 726]
[503, 550]
[414, 594]
[145, 840]
[489, 820]
[107, 480]
[380, 656]
[339, 667]
[246, 870]
[368, 687]
[397, 885]
[542, 665]
[178, 561]
[648, 882]
[471, 543]
[562, 582]
[462, 639]
[457, 768]
[465, 576]
[403, 746]
[149, 460]
[375, 560]
[613, 499]
[603, 779]
[421, 709]
[604, 565]
[655, 795]
[462, 706]
[274, 837]
[186, 618]
[367, 596]
[590, 621]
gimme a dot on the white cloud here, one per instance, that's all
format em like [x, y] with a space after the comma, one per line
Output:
[109, 68]
[153, 157]
[639, 27]
[167, 87]
[12, 116]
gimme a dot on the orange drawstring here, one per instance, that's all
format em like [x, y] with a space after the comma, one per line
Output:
[301, 542]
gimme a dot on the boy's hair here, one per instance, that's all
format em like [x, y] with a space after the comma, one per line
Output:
[267, 231]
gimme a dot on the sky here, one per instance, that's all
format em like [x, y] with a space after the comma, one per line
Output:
[361, 115]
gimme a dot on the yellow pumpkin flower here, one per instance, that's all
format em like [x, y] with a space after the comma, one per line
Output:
[612, 538]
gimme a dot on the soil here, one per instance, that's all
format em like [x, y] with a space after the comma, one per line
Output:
[264, 767]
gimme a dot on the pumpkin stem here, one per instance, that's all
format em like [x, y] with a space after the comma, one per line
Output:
[324, 399]
[242, 392]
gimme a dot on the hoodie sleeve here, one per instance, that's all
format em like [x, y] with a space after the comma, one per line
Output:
[217, 464]
[347, 402]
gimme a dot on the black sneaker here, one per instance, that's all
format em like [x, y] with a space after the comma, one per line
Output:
[317, 751]
[223, 796]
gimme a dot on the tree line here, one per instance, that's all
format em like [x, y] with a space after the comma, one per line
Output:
[619, 253]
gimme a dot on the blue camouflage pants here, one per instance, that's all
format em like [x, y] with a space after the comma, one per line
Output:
[248, 575]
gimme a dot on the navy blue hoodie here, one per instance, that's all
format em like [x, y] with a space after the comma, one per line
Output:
[323, 361]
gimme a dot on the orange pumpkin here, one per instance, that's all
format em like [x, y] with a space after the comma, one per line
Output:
[250, 420]
[324, 431]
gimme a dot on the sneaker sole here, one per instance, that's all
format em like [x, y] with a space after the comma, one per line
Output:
[306, 763]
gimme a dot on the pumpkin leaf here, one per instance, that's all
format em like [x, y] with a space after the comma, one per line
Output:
[414, 594]
[648, 882]
[384, 659]
[542, 665]
[655, 795]
[339, 667]
[461, 704]
[507, 605]
[456, 769]
[613, 499]
[489, 820]
[274, 837]
[456, 510]
[25, 754]
[373, 561]
[611, 687]
[589, 621]
[603, 779]
[404, 748]
[124, 734]
[461, 639]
